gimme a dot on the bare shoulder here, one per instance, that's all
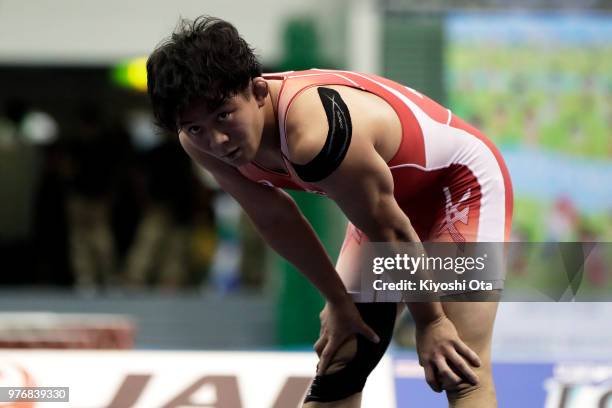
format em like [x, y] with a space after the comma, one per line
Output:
[306, 127]
[308, 124]
[351, 157]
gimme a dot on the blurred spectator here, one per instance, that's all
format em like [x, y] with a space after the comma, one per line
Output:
[204, 236]
[160, 253]
[50, 223]
[19, 171]
[92, 171]
[129, 194]
[253, 259]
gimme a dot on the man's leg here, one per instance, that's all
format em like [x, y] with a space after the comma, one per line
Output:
[345, 354]
[474, 323]
[343, 381]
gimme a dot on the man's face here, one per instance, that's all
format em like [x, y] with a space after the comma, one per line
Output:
[231, 133]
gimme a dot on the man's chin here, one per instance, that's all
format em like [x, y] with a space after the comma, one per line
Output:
[245, 158]
[240, 161]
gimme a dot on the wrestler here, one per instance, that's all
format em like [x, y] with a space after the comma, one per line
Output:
[401, 167]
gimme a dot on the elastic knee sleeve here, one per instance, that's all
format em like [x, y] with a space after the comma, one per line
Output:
[352, 378]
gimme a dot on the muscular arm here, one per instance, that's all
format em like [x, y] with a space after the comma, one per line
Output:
[362, 185]
[363, 188]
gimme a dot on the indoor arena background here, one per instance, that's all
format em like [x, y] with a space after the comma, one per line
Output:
[127, 276]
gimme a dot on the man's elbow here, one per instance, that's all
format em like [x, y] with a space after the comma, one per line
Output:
[388, 231]
[381, 233]
[386, 221]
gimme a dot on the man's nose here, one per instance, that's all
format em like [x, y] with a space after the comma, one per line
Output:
[218, 140]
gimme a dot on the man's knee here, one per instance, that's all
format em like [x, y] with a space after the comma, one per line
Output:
[347, 372]
[481, 395]
[352, 364]
[342, 357]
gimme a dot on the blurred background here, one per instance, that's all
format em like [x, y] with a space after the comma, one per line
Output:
[111, 239]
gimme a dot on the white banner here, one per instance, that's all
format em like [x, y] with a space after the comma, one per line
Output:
[159, 379]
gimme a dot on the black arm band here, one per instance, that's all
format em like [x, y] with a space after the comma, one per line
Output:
[337, 142]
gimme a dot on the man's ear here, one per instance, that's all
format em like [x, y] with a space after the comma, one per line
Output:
[260, 90]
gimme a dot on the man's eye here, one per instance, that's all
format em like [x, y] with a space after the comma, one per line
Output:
[223, 116]
[193, 130]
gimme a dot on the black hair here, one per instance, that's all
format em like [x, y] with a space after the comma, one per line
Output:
[205, 60]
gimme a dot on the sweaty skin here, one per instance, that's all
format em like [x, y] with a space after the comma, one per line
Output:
[246, 129]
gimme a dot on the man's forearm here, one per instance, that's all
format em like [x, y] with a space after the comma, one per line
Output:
[295, 240]
[425, 312]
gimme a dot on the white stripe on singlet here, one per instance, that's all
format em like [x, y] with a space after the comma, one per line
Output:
[445, 146]
[327, 73]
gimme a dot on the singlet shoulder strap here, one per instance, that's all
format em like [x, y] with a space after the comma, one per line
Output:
[277, 75]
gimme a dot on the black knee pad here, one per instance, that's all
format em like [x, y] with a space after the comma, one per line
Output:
[352, 378]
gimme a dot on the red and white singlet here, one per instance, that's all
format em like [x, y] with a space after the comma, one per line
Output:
[449, 179]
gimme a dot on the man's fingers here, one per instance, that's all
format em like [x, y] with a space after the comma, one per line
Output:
[445, 375]
[320, 345]
[459, 365]
[431, 379]
[468, 353]
[323, 363]
[369, 334]
[326, 356]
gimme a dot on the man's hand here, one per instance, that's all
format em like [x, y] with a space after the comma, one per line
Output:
[445, 358]
[338, 323]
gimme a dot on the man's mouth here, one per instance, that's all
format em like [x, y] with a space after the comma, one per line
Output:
[232, 154]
